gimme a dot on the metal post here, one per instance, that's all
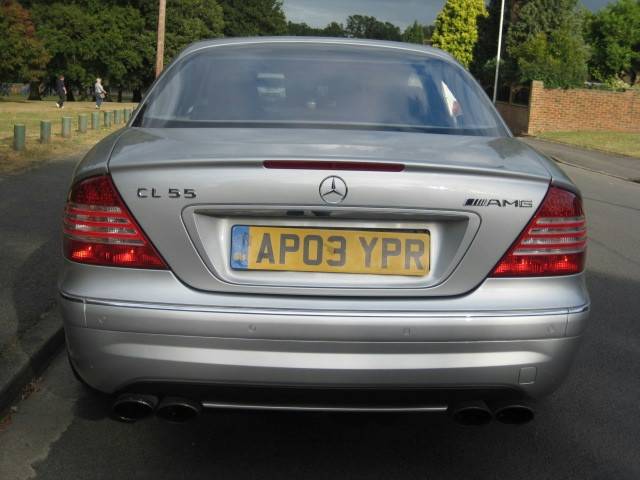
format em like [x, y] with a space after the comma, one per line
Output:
[45, 131]
[95, 120]
[19, 132]
[82, 122]
[160, 45]
[495, 80]
[66, 127]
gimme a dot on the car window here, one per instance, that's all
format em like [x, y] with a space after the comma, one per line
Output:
[315, 85]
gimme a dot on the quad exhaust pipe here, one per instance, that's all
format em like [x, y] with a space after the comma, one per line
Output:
[514, 413]
[473, 412]
[476, 412]
[178, 410]
[131, 407]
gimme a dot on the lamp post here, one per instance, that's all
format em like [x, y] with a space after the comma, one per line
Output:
[160, 45]
[495, 80]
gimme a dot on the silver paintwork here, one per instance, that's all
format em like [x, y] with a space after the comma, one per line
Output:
[203, 322]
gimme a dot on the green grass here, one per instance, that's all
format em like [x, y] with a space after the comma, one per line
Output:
[614, 142]
[30, 113]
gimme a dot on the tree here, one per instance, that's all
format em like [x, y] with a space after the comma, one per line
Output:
[427, 32]
[125, 48]
[614, 35]
[546, 43]
[484, 54]
[457, 28]
[334, 29]
[67, 30]
[116, 41]
[362, 26]
[23, 57]
[414, 33]
[244, 18]
[302, 30]
[189, 21]
[558, 59]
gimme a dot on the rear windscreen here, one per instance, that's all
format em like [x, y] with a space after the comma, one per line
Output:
[319, 86]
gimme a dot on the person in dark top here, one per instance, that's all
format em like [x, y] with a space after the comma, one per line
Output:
[62, 91]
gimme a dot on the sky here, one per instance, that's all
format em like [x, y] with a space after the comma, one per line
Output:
[319, 13]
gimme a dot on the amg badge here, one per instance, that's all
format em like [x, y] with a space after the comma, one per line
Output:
[496, 202]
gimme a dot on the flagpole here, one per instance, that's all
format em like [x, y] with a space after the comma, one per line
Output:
[495, 80]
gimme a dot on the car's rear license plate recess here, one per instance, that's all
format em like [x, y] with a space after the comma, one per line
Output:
[360, 251]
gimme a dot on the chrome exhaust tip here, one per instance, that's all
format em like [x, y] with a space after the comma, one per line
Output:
[131, 407]
[178, 410]
[514, 413]
[474, 412]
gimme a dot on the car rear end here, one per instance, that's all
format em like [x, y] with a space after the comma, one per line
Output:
[264, 262]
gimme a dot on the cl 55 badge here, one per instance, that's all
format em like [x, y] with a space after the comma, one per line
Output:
[171, 193]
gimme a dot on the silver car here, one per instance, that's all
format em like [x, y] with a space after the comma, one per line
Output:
[371, 238]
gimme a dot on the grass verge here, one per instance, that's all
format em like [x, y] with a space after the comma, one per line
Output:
[614, 142]
[30, 113]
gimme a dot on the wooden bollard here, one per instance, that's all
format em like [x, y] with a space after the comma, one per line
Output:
[66, 127]
[118, 117]
[45, 131]
[127, 114]
[19, 133]
[95, 120]
[82, 122]
[106, 119]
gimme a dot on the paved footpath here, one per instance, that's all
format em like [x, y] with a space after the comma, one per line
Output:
[616, 165]
[31, 206]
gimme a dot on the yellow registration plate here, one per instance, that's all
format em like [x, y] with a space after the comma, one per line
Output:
[390, 252]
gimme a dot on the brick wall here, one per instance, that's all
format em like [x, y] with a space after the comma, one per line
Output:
[557, 109]
[516, 116]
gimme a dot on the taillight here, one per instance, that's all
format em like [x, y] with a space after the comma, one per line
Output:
[553, 243]
[100, 230]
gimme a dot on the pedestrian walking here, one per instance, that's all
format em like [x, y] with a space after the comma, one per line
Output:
[99, 92]
[61, 90]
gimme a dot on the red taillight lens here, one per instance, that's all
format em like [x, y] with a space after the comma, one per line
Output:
[100, 230]
[553, 243]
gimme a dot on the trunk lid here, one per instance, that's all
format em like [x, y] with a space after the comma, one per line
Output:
[453, 187]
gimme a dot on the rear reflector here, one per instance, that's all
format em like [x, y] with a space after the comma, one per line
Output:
[324, 165]
[100, 230]
[553, 243]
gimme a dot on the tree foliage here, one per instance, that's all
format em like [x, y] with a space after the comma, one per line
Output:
[23, 57]
[362, 26]
[558, 59]
[250, 18]
[546, 43]
[614, 35]
[457, 28]
[414, 33]
[116, 40]
[484, 53]
[334, 29]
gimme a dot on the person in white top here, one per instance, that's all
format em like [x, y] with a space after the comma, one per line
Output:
[99, 92]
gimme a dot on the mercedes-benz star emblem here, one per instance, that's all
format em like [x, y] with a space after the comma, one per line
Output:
[333, 189]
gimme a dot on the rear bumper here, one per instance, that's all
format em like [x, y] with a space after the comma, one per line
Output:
[115, 345]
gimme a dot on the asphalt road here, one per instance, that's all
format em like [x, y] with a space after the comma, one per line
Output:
[588, 429]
